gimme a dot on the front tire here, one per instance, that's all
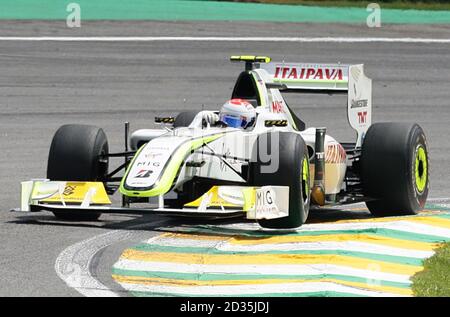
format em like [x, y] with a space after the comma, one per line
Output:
[395, 168]
[75, 156]
[292, 171]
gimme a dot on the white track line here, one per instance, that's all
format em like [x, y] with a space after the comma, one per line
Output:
[73, 264]
[228, 39]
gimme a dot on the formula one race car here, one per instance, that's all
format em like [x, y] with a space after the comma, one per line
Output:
[274, 171]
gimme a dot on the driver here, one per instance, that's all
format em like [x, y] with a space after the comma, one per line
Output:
[235, 113]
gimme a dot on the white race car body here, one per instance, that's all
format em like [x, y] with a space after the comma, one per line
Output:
[172, 158]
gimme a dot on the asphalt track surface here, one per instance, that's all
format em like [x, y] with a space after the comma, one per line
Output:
[46, 84]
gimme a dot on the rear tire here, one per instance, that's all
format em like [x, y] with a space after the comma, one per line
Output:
[184, 119]
[292, 171]
[74, 156]
[395, 168]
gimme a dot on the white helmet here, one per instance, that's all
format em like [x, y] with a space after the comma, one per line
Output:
[238, 113]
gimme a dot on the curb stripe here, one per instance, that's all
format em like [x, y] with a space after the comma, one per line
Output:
[197, 251]
[305, 294]
[240, 277]
[423, 216]
[210, 259]
[446, 216]
[438, 207]
[265, 282]
[312, 238]
[404, 226]
[387, 233]
[354, 245]
[433, 221]
[371, 273]
[271, 289]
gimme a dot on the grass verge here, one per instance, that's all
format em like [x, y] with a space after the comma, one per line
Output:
[434, 280]
[387, 4]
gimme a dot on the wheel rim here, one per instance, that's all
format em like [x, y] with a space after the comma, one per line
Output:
[305, 180]
[421, 169]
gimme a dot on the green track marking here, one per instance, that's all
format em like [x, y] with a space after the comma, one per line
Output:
[227, 277]
[390, 233]
[307, 294]
[437, 207]
[212, 251]
[444, 216]
[188, 10]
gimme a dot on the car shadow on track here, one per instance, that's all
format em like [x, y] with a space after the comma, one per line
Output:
[249, 229]
[324, 215]
[111, 222]
[118, 221]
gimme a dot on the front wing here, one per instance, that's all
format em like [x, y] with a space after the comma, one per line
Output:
[267, 202]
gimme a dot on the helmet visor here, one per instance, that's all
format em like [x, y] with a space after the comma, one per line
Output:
[232, 121]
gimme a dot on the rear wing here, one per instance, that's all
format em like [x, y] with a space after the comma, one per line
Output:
[329, 78]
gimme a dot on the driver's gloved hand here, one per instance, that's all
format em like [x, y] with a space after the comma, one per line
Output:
[209, 117]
